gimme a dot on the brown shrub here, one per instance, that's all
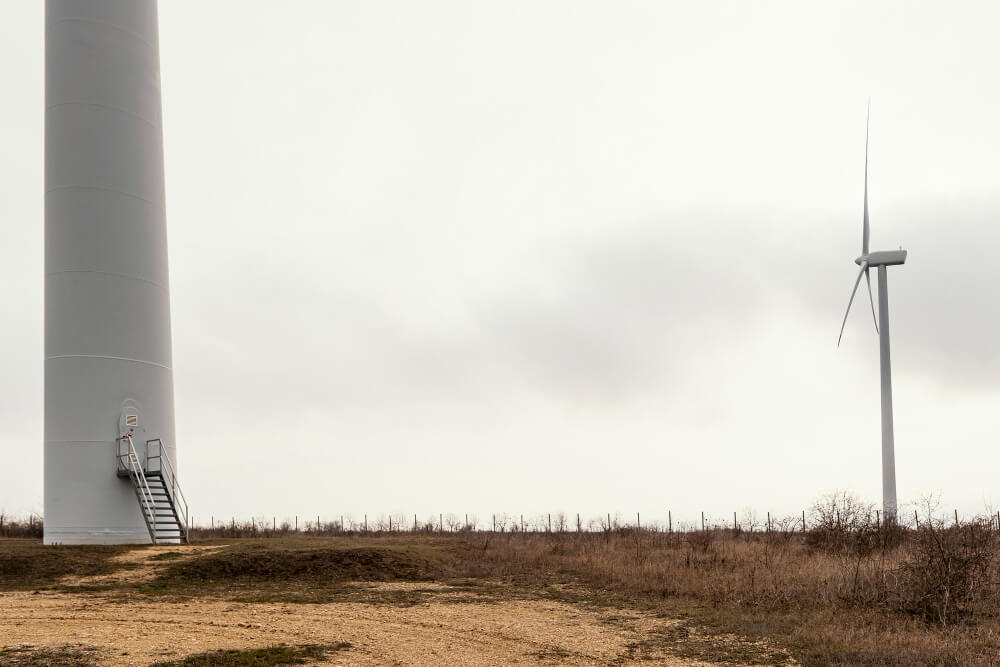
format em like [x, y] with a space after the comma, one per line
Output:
[947, 571]
[700, 540]
[30, 527]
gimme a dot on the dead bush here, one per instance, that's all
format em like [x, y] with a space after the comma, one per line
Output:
[30, 527]
[840, 523]
[700, 540]
[946, 571]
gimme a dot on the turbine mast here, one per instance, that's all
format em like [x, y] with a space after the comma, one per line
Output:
[867, 261]
[888, 440]
[107, 304]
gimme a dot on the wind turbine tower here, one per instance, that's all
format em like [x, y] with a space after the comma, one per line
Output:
[110, 452]
[880, 260]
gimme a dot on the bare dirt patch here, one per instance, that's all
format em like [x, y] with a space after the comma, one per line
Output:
[389, 601]
[430, 633]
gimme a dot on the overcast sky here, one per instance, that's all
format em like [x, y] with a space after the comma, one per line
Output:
[549, 256]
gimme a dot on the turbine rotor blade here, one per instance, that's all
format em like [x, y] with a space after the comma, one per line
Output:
[871, 299]
[864, 266]
[866, 230]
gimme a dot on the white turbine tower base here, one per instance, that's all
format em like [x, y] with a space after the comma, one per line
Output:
[880, 260]
[107, 304]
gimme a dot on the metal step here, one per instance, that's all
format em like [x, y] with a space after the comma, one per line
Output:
[155, 494]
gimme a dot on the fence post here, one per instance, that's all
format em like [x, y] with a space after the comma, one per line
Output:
[296, 523]
[441, 522]
[609, 522]
[956, 517]
[637, 524]
[578, 522]
[366, 523]
[804, 519]
[670, 522]
[769, 522]
[916, 519]
[317, 524]
[550, 522]
[734, 522]
[703, 522]
[494, 523]
[522, 523]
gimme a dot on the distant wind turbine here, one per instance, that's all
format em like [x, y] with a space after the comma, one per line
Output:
[867, 260]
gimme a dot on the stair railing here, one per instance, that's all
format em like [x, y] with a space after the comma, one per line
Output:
[129, 460]
[170, 481]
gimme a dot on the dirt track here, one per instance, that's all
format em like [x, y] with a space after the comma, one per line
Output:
[448, 627]
[445, 632]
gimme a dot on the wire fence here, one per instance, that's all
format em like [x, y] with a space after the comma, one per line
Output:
[564, 523]
[830, 517]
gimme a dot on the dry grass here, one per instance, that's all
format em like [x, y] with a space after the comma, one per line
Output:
[281, 654]
[848, 596]
[836, 606]
[26, 564]
[846, 593]
[315, 564]
[60, 656]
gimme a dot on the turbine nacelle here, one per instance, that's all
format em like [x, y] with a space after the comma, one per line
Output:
[882, 258]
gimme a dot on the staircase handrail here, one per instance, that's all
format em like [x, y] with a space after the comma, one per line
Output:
[175, 490]
[135, 470]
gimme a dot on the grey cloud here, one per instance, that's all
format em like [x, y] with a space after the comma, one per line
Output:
[639, 308]
[640, 305]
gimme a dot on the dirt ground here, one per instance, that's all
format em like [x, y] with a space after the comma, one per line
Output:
[449, 626]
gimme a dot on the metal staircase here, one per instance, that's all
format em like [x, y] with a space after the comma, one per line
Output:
[161, 500]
